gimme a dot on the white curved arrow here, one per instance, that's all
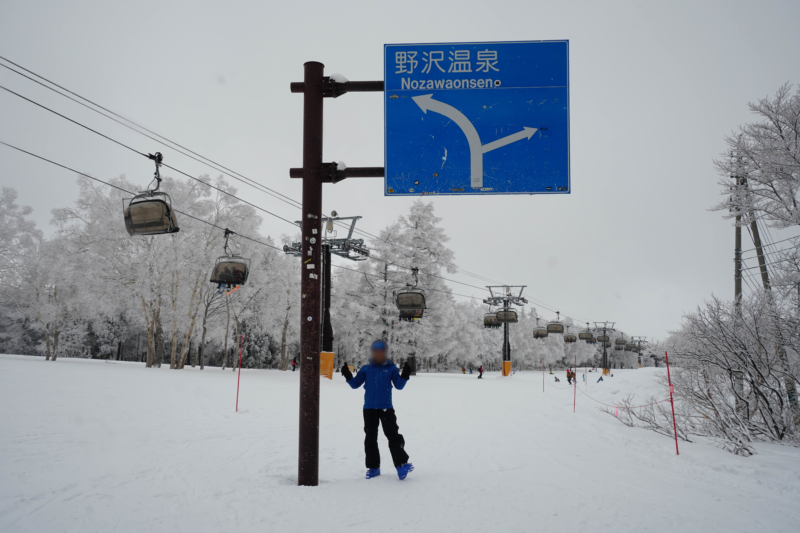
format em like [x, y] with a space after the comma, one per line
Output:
[426, 102]
[476, 150]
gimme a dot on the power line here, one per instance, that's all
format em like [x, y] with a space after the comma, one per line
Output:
[192, 177]
[207, 161]
[210, 185]
[132, 193]
[776, 242]
[381, 278]
[239, 234]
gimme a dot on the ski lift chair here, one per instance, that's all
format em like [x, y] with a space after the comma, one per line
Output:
[230, 271]
[539, 332]
[507, 316]
[150, 212]
[490, 321]
[411, 304]
[556, 326]
[586, 335]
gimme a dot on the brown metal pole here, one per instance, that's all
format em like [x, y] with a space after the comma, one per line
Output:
[308, 457]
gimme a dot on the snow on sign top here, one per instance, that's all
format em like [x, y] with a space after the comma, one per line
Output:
[477, 118]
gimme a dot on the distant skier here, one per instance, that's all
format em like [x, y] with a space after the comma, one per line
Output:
[569, 376]
[463, 370]
[294, 363]
[584, 377]
[601, 379]
[470, 371]
[378, 376]
[480, 372]
[557, 380]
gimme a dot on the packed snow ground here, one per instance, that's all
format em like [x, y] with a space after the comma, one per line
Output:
[98, 446]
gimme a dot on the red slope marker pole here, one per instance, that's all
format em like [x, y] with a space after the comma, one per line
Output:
[238, 379]
[671, 391]
[575, 384]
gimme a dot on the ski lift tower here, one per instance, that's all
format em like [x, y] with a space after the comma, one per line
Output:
[639, 341]
[332, 244]
[606, 328]
[503, 296]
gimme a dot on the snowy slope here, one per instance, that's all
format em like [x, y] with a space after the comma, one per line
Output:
[95, 446]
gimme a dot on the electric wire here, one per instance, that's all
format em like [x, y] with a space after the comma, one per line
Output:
[207, 161]
[119, 120]
[214, 187]
[197, 179]
[776, 242]
[133, 193]
[381, 278]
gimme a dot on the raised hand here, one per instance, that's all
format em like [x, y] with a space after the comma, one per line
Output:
[346, 372]
[406, 373]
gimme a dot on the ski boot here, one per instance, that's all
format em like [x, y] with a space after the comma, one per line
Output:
[373, 472]
[403, 470]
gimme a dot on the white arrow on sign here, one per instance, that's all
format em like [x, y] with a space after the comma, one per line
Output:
[476, 149]
[499, 143]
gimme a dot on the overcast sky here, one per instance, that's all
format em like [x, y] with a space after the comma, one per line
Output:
[655, 87]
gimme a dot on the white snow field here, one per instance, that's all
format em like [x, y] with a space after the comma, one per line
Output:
[94, 446]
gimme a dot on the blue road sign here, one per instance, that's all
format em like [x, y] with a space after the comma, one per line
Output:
[477, 118]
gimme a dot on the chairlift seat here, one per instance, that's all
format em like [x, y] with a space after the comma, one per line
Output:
[585, 335]
[411, 301]
[507, 316]
[539, 333]
[569, 337]
[150, 213]
[230, 270]
[490, 321]
[555, 327]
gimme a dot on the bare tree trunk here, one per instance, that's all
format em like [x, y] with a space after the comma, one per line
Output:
[47, 344]
[187, 338]
[151, 345]
[55, 343]
[284, 360]
[202, 348]
[173, 358]
[159, 341]
[227, 329]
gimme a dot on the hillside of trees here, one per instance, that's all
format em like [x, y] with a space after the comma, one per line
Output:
[91, 290]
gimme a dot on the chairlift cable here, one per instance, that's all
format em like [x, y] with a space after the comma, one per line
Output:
[130, 192]
[207, 161]
[192, 177]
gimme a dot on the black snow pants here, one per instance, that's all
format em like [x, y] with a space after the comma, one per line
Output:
[386, 418]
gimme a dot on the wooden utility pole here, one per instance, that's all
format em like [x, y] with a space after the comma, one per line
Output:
[315, 87]
[308, 456]
[737, 261]
[791, 387]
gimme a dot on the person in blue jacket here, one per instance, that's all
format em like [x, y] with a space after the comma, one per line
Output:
[378, 376]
